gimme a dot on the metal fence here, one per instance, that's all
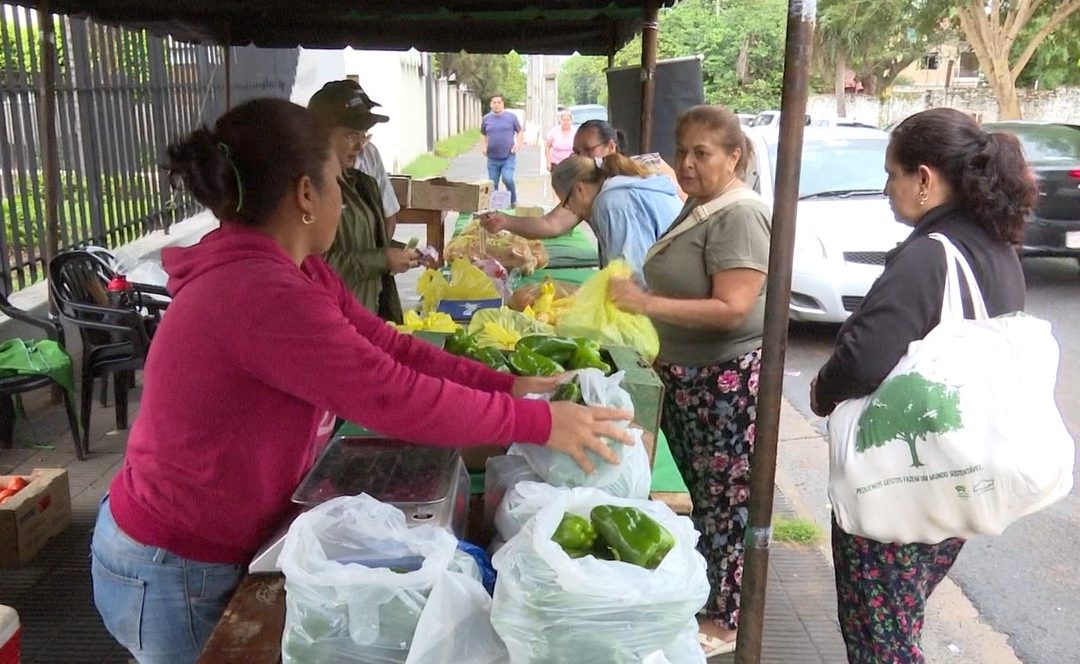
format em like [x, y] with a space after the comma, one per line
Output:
[121, 96]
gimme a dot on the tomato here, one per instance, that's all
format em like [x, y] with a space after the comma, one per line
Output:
[17, 483]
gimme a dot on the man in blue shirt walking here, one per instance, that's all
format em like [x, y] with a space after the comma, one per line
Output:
[502, 135]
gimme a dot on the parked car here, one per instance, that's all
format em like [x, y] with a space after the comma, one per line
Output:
[845, 225]
[1053, 150]
[824, 121]
[585, 112]
[746, 119]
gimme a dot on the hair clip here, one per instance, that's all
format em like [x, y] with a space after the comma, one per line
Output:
[599, 161]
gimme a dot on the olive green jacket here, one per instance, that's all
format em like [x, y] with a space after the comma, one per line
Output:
[359, 250]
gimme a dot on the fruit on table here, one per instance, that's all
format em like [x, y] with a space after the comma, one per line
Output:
[14, 486]
[576, 535]
[586, 355]
[460, 343]
[492, 357]
[632, 535]
[525, 362]
[568, 392]
[559, 349]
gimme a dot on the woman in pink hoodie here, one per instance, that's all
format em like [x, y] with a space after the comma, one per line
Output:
[262, 347]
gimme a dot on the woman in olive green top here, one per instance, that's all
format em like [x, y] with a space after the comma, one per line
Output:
[707, 299]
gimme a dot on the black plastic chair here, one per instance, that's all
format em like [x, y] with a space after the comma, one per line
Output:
[115, 340]
[20, 383]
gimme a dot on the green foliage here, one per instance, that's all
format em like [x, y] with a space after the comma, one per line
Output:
[1057, 61]
[455, 145]
[795, 531]
[487, 74]
[719, 30]
[513, 88]
[908, 407]
[426, 165]
[25, 37]
[582, 81]
[877, 39]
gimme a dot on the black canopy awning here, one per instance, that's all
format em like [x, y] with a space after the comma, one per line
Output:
[591, 27]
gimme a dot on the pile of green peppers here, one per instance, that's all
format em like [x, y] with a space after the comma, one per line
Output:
[615, 533]
[534, 355]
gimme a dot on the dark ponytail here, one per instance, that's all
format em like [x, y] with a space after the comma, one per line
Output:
[988, 173]
[251, 159]
[606, 132]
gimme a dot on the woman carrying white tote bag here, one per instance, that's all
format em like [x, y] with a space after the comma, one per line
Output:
[909, 378]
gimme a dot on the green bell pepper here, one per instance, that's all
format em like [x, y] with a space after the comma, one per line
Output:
[460, 343]
[586, 355]
[492, 357]
[575, 534]
[525, 362]
[559, 349]
[568, 392]
[632, 535]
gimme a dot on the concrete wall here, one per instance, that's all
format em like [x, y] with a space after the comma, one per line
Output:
[1061, 105]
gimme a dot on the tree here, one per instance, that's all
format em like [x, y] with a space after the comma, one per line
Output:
[908, 407]
[582, 81]
[486, 74]
[1005, 37]
[1057, 61]
[877, 39]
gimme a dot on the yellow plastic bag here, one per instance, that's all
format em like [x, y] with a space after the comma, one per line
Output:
[595, 316]
[435, 321]
[501, 328]
[467, 282]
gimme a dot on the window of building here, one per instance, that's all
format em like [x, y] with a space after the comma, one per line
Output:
[930, 61]
[969, 65]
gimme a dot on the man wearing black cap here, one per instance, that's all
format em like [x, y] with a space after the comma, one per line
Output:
[371, 163]
[362, 253]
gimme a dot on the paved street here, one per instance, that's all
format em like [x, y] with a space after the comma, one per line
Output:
[1025, 583]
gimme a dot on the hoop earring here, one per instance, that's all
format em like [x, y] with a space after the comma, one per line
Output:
[308, 219]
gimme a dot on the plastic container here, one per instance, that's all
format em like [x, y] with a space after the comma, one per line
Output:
[120, 292]
[10, 635]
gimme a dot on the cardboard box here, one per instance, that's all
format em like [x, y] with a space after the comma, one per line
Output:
[402, 185]
[441, 194]
[644, 385]
[33, 516]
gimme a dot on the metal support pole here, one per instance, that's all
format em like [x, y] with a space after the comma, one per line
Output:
[648, 72]
[47, 131]
[800, 28]
[228, 68]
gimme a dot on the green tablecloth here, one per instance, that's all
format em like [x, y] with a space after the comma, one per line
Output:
[665, 478]
[573, 250]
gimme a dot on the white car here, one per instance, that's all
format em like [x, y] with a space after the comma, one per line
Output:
[844, 224]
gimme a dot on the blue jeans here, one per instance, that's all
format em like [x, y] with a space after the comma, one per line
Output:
[504, 169]
[159, 606]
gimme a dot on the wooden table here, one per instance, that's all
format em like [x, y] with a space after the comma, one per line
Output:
[250, 630]
[433, 220]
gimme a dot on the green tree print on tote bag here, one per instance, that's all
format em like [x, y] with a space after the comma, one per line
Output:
[908, 407]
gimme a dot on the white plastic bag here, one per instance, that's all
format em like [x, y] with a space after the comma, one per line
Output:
[549, 607]
[346, 603]
[139, 270]
[630, 478]
[963, 436]
[501, 474]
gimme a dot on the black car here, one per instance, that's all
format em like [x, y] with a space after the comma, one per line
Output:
[1053, 150]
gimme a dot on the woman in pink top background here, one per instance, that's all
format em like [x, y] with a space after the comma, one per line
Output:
[560, 140]
[262, 347]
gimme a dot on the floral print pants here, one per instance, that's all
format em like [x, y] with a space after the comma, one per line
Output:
[881, 592]
[709, 417]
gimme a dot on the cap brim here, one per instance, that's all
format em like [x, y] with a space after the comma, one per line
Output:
[363, 120]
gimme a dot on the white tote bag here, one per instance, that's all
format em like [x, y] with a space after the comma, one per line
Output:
[963, 436]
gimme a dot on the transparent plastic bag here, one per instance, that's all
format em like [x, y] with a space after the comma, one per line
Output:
[139, 270]
[630, 478]
[550, 608]
[595, 316]
[362, 587]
